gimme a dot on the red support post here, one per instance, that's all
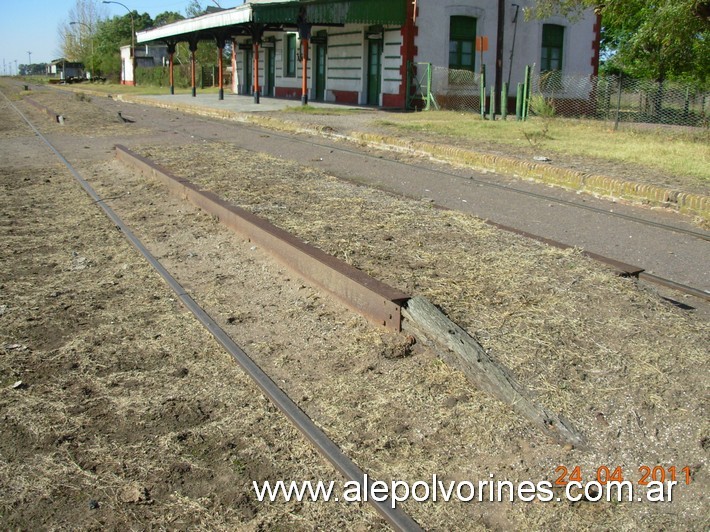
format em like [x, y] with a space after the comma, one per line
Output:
[256, 73]
[221, 70]
[172, 74]
[304, 82]
[193, 68]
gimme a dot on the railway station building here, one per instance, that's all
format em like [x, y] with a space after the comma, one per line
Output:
[366, 52]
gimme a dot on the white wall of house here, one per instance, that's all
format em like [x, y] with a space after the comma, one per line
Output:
[347, 50]
[432, 40]
[346, 60]
[391, 61]
[127, 77]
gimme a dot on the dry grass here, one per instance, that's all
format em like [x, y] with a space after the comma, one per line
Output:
[108, 354]
[679, 152]
[595, 347]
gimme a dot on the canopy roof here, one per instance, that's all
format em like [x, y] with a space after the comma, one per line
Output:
[278, 14]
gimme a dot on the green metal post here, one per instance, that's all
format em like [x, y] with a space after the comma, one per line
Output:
[483, 91]
[504, 101]
[492, 104]
[519, 102]
[428, 87]
[526, 93]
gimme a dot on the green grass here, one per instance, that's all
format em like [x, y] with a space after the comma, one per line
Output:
[675, 151]
[117, 88]
[311, 110]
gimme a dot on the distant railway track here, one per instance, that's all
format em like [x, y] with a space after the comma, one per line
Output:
[702, 235]
[394, 516]
[629, 270]
[624, 269]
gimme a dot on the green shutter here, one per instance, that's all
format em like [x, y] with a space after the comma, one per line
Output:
[553, 35]
[463, 29]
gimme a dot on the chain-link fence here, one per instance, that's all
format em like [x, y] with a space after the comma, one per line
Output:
[612, 98]
[621, 99]
[436, 87]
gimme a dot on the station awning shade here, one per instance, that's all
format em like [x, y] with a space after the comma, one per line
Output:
[389, 12]
[280, 13]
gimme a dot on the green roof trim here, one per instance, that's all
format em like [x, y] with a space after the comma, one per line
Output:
[318, 12]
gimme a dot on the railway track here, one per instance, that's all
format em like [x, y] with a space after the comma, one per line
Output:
[639, 271]
[208, 322]
[330, 451]
[625, 269]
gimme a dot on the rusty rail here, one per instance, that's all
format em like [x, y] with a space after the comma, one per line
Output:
[50, 112]
[375, 300]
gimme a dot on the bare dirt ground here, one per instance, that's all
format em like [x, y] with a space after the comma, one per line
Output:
[128, 415]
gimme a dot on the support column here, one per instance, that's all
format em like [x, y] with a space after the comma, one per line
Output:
[256, 72]
[304, 67]
[500, 42]
[235, 77]
[171, 70]
[193, 67]
[220, 64]
[257, 33]
[304, 32]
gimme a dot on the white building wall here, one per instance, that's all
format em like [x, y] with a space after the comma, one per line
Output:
[392, 61]
[127, 77]
[432, 40]
[346, 61]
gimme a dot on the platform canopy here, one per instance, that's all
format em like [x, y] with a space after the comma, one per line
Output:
[277, 15]
[384, 12]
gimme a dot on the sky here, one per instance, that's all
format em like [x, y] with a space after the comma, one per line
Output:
[31, 25]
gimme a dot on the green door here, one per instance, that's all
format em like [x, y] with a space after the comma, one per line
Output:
[271, 72]
[374, 71]
[320, 72]
[248, 72]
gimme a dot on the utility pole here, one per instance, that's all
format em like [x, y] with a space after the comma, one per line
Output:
[134, 61]
[500, 43]
[29, 62]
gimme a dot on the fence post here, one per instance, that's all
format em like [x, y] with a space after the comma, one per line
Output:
[504, 101]
[492, 104]
[618, 104]
[519, 102]
[428, 87]
[526, 93]
[483, 91]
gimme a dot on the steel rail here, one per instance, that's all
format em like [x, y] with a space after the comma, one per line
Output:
[700, 294]
[627, 270]
[327, 448]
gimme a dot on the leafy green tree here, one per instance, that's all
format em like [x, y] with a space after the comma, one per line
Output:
[76, 34]
[113, 33]
[168, 17]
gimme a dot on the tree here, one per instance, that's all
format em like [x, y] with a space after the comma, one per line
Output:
[659, 40]
[76, 34]
[113, 33]
[168, 17]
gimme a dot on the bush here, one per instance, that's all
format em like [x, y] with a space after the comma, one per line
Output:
[541, 106]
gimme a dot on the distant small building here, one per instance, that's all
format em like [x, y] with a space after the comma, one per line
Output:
[63, 69]
[147, 56]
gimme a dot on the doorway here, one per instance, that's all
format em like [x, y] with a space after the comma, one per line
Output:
[320, 72]
[374, 71]
[270, 71]
[248, 72]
